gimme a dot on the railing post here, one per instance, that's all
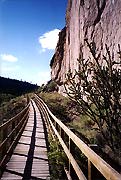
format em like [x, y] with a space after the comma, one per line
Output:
[89, 169]
[62, 133]
[13, 136]
[1, 137]
[4, 148]
[93, 147]
[56, 126]
[69, 160]
[28, 99]
[72, 150]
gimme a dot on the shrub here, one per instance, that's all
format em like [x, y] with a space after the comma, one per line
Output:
[58, 104]
[51, 86]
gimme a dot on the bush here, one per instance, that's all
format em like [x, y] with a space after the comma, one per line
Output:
[11, 108]
[57, 159]
[58, 104]
[51, 86]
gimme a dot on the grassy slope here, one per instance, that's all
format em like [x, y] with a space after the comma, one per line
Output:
[65, 110]
[11, 106]
[84, 128]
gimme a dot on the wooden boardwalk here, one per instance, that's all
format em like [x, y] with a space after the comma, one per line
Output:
[29, 159]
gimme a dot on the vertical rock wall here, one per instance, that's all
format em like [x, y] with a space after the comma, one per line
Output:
[99, 21]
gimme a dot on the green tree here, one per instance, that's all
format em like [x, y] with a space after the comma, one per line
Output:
[51, 86]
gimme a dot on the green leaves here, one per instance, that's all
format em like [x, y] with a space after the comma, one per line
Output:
[56, 159]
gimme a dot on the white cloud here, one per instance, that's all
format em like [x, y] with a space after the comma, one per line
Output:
[5, 68]
[8, 57]
[43, 77]
[49, 40]
[8, 70]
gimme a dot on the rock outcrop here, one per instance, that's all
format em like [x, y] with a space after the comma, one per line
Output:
[99, 21]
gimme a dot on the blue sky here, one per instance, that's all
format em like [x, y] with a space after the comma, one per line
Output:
[28, 35]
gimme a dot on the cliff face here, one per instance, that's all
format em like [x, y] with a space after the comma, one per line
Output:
[56, 63]
[99, 21]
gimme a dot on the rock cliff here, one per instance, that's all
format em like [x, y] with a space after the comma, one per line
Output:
[99, 21]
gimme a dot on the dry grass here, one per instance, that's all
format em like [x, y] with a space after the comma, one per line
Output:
[12, 107]
[66, 111]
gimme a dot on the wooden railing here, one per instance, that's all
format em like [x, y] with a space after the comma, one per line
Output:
[10, 133]
[59, 129]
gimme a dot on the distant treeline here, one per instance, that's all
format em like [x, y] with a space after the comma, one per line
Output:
[15, 87]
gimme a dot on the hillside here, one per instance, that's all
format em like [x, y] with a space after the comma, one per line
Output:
[15, 87]
[13, 96]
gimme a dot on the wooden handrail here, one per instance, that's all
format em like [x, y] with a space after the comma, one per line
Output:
[11, 133]
[104, 168]
[13, 127]
[66, 150]
[4, 125]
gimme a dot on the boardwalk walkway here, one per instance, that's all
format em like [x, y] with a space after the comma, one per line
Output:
[29, 160]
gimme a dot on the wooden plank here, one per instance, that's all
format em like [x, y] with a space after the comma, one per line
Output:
[40, 135]
[22, 149]
[27, 133]
[17, 164]
[9, 176]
